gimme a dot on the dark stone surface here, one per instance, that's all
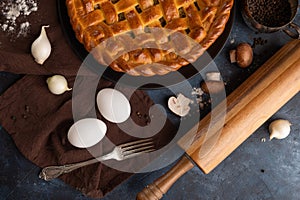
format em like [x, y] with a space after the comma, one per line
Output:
[256, 170]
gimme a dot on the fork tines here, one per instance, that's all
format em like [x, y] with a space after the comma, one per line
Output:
[137, 147]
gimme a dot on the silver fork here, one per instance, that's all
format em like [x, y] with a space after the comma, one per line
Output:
[120, 152]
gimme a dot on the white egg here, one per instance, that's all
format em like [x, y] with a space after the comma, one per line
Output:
[86, 132]
[113, 105]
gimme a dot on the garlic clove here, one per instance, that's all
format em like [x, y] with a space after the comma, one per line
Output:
[212, 87]
[180, 105]
[279, 129]
[41, 47]
[57, 84]
[213, 76]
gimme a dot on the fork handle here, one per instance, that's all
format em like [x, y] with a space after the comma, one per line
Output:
[161, 185]
[51, 172]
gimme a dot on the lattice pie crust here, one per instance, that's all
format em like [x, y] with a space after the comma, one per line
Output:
[94, 21]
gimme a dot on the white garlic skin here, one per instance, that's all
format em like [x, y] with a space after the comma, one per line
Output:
[41, 47]
[57, 84]
[213, 76]
[279, 129]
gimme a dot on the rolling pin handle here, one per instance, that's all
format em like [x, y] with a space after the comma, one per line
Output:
[150, 192]
[160, 186]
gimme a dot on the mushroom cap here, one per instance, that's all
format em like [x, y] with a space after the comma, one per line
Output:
[244, 55]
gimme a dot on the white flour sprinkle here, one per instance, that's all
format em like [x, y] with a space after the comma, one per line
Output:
[201, 98]
[24, 28]
[14, 12]
[198, 92]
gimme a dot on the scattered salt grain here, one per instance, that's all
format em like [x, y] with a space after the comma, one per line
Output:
[201, 100]
[232, 41]
[24, 28]
[11, 29]
[197, 91]
[14, 15]
[4, 27]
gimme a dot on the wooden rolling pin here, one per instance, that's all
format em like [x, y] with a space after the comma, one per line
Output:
[248, 107]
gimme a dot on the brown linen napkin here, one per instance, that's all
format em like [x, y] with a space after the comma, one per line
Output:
[38, 122]
[15, 51]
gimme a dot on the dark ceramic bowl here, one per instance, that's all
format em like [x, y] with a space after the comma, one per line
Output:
[290, 28]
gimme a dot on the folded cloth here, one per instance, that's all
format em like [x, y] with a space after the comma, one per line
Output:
[15, 49]
[38, 122]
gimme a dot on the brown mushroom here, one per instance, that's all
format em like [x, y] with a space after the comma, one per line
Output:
[242, 55]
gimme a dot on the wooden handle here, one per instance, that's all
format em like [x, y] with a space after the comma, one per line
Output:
[250, 118]
[160, 186]
[241, 97]
[276, 88]
[248, 107]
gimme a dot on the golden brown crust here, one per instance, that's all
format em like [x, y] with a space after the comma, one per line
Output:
[163, 50]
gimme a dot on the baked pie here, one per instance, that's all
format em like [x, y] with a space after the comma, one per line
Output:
[145, 37]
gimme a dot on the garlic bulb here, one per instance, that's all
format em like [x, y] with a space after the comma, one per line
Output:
[41, 47]
[279, 129]
[57, 84]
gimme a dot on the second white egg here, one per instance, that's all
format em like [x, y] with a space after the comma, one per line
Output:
[86, 132]
[113, 105]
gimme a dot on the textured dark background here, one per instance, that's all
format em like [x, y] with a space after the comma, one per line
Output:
[256, 170]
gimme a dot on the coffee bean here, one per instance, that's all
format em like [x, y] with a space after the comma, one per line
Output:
[271, 13]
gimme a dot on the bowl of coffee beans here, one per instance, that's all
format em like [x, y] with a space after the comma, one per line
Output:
[271, 15]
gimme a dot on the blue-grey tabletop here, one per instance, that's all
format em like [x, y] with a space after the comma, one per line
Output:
[256, 170]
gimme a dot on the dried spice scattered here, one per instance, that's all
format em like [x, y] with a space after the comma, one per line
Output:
[27, 109]
[271, 13]
[259, 41]
[202, 99]
[139, 114]
[145, 116]
[13, 118]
